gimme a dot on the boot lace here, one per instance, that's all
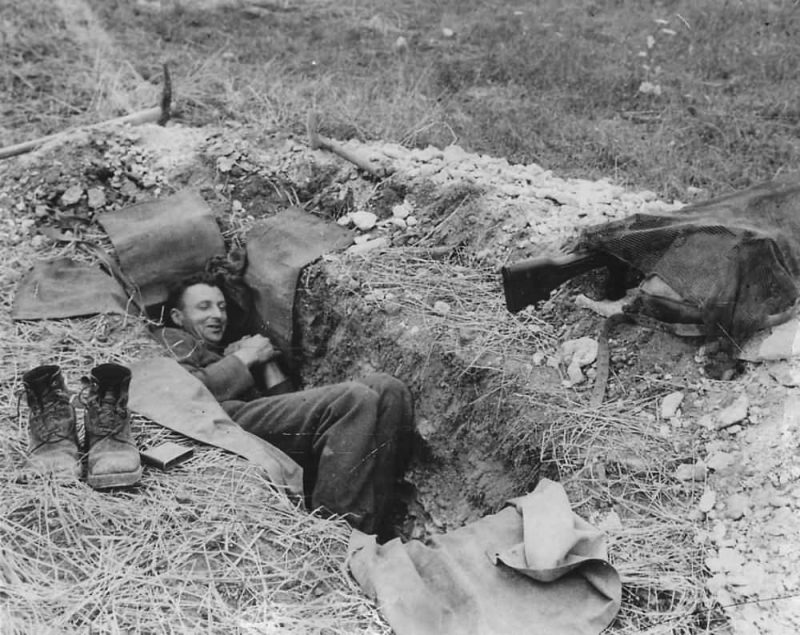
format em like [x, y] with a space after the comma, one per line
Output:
[53, 422]
[110, 416]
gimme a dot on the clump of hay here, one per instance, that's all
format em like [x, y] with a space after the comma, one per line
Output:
[611, 459]
[209, 545]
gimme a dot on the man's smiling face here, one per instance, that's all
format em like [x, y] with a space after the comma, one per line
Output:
[201, 312]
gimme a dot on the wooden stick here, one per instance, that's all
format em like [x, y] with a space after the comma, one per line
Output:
[158, 114]
[318, 141]
[166, 97]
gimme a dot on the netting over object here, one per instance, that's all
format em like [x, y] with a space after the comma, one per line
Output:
[734, 259]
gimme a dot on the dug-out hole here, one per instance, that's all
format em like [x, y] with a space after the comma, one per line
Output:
[480, 440]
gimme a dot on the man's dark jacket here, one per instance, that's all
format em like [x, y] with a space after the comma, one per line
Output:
[226, 376]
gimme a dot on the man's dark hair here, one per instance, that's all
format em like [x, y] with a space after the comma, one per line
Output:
[175, 291]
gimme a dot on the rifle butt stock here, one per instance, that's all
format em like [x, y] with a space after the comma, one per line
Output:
[532, 280]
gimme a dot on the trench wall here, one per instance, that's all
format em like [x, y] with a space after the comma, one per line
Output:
[480, 438]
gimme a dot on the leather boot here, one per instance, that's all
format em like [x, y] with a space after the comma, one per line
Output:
[51, 430]
[113, 460]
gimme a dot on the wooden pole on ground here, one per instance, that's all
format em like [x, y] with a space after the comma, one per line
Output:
[316, 140]
[159, 114]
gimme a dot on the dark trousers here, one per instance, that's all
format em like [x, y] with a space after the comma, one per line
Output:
[353, 441]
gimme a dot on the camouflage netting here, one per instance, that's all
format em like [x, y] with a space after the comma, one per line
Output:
[732, 261]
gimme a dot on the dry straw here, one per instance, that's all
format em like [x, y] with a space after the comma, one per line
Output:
[612, 459]
[208, 546]
[211, 546]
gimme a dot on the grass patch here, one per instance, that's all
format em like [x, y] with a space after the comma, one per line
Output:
[41, 72]
[558, 85]
[60, 70]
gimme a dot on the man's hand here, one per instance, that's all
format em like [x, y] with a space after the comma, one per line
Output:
[252, 349]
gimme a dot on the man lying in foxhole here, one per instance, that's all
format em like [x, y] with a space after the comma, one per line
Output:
[352, 439]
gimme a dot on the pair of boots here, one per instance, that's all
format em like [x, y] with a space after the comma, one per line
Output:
[113, 460]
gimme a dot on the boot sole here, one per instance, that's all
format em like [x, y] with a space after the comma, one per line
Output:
[118, 479]
[60, 474]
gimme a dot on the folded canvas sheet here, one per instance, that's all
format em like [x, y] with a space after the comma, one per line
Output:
[534, 567]
[277, 250]
[169, 395]
[159, 242]
[63, 288]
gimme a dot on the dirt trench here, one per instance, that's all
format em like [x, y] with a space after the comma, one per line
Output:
[480, 441]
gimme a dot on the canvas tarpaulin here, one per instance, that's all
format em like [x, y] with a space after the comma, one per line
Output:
[162, 241]
[734, 260]
[64, 288]
[277, 250]
[169, 395]
[534, 567]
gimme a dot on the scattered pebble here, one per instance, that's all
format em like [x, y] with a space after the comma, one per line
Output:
[225, 163]
[402, 210]
[369, 245]
[426, 428]
[72, 195]
[785, 375]
[670, 404]
[97, 197]
[736, 506]
[441, 308]
[364, 220]
[733, 413]
[707, 501]
[719, 461]
[397, 222]
[575, 375]
[582, 351]
[691, 471]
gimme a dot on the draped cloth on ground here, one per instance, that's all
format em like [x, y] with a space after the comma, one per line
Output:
[162, 241]
[534, 567]
[277, 250]
[734, 260]
[64, 288]
[169, 395]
